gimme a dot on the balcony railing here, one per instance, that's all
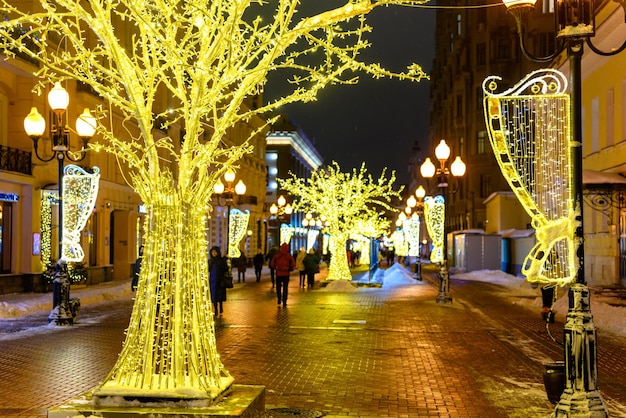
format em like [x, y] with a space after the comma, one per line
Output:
[15, 160]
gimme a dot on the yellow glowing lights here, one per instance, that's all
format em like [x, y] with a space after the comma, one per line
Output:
[350, 202]
[530, 133]
[208, 72]
[238, 228]
[434, 213]
[80, 190]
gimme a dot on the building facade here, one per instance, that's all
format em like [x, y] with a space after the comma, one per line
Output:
[114, 230]
[474, 40]
[289, 150]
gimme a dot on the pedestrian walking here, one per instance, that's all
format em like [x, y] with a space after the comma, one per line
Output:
[300, 266]
[283, 263]
[257, 260]
[242, 265]
[218, 268]
[270, 255]
[311, 264]
[136, 270]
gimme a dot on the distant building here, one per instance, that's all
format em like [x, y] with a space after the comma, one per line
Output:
[288, 150]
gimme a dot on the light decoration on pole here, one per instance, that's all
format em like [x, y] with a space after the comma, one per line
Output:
[415, 208]
[210, 71]
[428, 171]
[345, 199]
[79, 199]
[235, 229]
[574, 27]
[434, 214]
[279, 210]
[35, 126]
[529, 129]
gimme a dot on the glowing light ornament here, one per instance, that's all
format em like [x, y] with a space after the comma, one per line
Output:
[237, 229]
[311, 238]
[190, 52]
[350, 202]
[286, 232]
[434, 215]
[80, 190]
[48, 198]
[399, 243]
[411, 229]
[529, 129]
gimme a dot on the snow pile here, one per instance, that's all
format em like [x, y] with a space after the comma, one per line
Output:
[398, 275]
[339, 286]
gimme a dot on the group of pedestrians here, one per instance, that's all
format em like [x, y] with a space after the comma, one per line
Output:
[281, 264]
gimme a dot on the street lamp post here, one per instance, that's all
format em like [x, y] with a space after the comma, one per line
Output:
[417, 203]
[278, 210]
[35, 127]
[575, 26]
[228, 193]
[428, 171]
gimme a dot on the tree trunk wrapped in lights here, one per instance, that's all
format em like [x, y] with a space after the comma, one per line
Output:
[194, 64]
[348, 201]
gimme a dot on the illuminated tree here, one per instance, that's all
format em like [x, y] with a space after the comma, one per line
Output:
[195, 63]
[347, 200]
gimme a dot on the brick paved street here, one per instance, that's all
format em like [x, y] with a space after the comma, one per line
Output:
[377, 352]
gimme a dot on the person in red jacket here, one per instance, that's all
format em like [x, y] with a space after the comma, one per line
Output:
[283, 263]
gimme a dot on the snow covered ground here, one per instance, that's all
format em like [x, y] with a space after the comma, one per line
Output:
[607, 317]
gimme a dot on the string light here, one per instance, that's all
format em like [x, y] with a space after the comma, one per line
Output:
[237, 230]
[434, 214]
[170, 350]
[47, 199]
[529, 129]
[349, 202]
[79, 199]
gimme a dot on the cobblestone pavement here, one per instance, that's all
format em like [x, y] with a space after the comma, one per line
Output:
[376, 352]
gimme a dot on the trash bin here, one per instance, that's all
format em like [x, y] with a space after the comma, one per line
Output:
[554, 380]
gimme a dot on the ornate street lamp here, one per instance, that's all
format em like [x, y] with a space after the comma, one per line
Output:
[227, 193]
[428, 171]
[415, 207]
[575, 26]
[278, 210]
[35, 126]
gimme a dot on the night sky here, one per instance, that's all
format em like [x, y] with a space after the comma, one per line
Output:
[377, 121]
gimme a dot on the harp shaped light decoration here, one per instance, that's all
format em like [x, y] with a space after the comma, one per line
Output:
[434, 214]
[411, 228]
[530, 133]
[286, 231]
[311, 238]
[80, 190]
[237, 229]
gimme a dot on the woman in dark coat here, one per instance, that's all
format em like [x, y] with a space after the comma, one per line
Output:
[311, 264]
[217, 269]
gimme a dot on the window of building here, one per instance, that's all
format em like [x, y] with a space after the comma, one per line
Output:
[481, 142]
[481, 53]
[485, 185]
[545, 44]
[502, 47]
[458, 24]
[595, 125]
